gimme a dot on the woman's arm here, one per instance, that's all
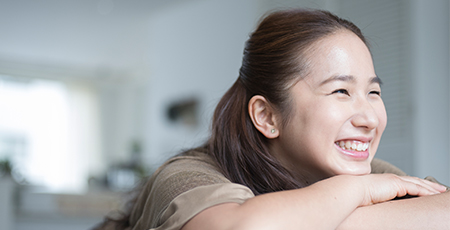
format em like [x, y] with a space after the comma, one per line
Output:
[323, 205]
[430, 212]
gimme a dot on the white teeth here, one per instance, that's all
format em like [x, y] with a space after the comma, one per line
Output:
[349, 145]
[359, 148]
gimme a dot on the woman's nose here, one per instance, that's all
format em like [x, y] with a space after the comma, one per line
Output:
[365, 115]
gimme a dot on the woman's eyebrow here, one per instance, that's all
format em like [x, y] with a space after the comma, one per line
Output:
[349, 78]
[346, 78]
[376, 79]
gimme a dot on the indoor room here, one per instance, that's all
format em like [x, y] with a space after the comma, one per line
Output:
[96, 95]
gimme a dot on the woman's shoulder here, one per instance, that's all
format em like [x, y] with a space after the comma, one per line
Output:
[192, 168]
[180, 175]
[381, 166]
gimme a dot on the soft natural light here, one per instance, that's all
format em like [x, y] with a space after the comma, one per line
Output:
[49, 120]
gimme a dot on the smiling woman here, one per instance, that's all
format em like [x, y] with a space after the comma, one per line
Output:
[293, 140]
[338, 101]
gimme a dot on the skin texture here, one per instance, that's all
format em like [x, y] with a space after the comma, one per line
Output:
[338, 100]
[429, 212]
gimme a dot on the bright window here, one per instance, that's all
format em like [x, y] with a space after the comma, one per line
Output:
[49, 131]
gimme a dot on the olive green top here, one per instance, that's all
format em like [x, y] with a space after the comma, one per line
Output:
[188, 184]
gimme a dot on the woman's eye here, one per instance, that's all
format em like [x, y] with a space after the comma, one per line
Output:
[344, 91]
[375, 92]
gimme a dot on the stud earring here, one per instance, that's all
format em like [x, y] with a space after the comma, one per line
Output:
[272, 131]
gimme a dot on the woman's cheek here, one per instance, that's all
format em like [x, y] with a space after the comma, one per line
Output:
[382, 117]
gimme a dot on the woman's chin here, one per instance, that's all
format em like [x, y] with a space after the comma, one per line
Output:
[353, 168]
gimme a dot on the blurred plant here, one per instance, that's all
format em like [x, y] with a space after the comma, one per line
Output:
[136, 163]
[5, 167]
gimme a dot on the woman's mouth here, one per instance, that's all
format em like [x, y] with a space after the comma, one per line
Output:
[353, 145]
[353, 148]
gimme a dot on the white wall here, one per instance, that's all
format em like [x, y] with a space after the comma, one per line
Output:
[430, 74]
[195, 52]
[121, 119]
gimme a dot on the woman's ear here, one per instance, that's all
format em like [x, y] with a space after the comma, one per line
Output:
[263, 116]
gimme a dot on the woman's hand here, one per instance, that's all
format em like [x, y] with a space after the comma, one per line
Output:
[426, 212]
[383, 187]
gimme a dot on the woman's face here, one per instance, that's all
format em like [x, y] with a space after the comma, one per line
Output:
[338, 115]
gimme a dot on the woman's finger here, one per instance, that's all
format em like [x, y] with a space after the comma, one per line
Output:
[386, 187]
[439, 187]
[430, 186]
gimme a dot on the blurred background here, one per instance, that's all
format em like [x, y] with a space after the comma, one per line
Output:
[95, 94]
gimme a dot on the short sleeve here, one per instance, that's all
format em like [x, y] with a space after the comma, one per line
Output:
[180, 189]
[192, 202]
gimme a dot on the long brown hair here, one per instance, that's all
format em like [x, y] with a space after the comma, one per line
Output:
[275, 58]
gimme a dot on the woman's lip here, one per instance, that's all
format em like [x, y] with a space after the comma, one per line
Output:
[360, 139]
[358, 155]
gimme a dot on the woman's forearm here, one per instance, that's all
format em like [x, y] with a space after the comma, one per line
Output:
[323, 205]
[428, 212]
